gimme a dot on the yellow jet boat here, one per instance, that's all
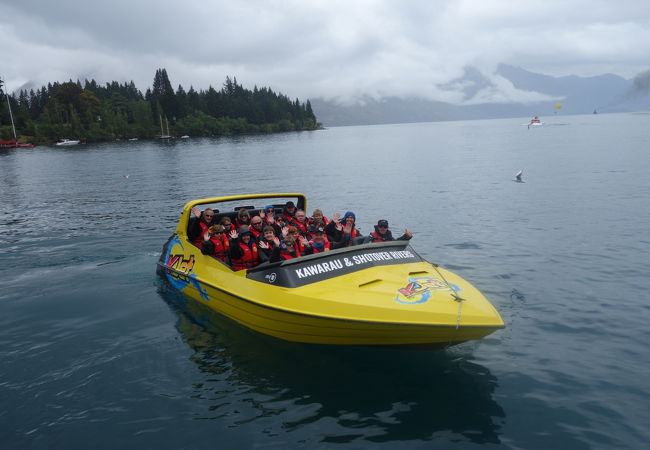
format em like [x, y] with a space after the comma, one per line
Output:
[381, 294]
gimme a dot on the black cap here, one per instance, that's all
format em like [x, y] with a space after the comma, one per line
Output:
[290, 204]
[383, 223]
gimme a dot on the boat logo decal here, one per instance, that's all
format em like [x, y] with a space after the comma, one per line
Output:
[270, 277]
[180, 264]
[418, 290]
[179, 268]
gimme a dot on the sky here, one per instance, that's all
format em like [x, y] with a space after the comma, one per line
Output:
[336, 50]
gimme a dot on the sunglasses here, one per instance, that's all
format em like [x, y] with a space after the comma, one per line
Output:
[256, 223]
[208, 215]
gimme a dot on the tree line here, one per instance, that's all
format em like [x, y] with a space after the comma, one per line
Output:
[94, 112]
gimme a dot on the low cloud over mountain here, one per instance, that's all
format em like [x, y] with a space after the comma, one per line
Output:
[510, 92]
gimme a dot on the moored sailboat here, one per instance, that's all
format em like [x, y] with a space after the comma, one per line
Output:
[12, 143]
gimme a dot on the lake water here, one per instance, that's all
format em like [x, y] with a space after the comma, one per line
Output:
[97, 353]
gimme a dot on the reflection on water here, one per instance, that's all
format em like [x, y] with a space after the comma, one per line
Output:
[341, 394]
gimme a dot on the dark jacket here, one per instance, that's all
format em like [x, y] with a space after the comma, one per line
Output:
[334, 235]
[265, 253]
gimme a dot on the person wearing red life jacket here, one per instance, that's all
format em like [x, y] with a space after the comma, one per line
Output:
[344, 229]
[288, 211]
[268, 215]
[300, 221]
[383, 234]
[227, 225]
[199, 225]
[244, 253]
[256, 227]
[317, 216]
[243, 218]
[286, 250]
[319, 242]
[216, 243]
[299, 239]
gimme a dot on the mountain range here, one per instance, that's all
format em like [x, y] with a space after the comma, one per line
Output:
[606, 93]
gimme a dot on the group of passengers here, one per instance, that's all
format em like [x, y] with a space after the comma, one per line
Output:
[252, 240]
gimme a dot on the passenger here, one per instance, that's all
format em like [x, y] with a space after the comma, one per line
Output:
[300, 222]
[287, 250]
[288, 211]
[317, 216]
[199, 224]
[256, 227]
[267, 242]
[279, 224]
[216, 243]
[319, 242]
[244, 253]
[351, 235]
[300, 240]
[227, 225]
[383, 234]
[243, 218]
[268, 214]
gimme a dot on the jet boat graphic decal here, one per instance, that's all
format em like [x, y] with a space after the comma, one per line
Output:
[179, 269]
[418, 290]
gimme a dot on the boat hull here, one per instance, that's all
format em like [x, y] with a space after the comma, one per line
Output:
[376, 305]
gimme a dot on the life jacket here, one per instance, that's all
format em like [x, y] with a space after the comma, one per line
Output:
[300, 247]
[323, 248]
[376, 237]
[256, 234]
[302, 227]
[286, 255]
[198, 241]
[221, 246]
[353, 234]
[249, 259]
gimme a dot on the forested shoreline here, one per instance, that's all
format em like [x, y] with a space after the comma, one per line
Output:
[93, 112]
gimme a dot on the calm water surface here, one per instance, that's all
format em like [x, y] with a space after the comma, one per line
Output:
[96, 353]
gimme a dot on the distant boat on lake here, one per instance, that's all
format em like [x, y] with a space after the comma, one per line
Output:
[535, 122]
[67, 142]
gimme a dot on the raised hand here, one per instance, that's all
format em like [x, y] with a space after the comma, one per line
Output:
[336, 218]
[285, 230]
[233, 234]
[408, 234]
[263, 245]
[206, 236]
[196, 211]
[304, 241]
[339, 227]
[276, 241]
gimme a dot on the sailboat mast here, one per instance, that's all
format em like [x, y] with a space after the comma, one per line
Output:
[11, 116]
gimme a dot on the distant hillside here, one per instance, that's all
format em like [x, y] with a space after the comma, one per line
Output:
[578, 95]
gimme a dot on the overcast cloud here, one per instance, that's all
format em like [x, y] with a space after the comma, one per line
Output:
[333, 49]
